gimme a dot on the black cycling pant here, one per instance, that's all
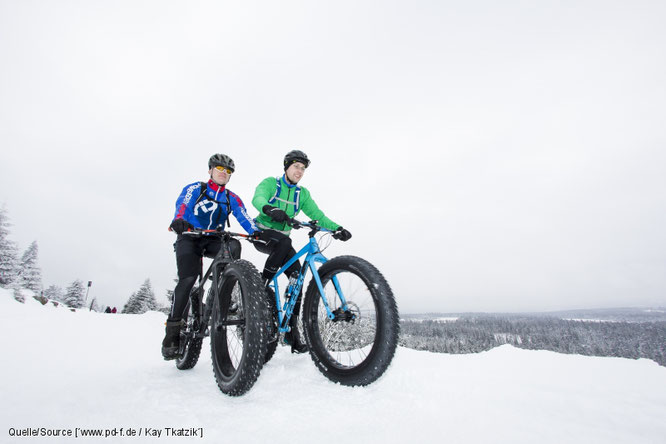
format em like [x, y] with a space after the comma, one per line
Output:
[189, 253]
[278, 247]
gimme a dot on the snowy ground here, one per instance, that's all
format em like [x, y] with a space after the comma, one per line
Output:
[65, 370]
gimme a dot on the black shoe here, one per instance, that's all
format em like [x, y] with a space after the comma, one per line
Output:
[171, 341]
[297, 346]
[169, 353]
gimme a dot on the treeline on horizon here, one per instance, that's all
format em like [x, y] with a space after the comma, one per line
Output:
[590, 338]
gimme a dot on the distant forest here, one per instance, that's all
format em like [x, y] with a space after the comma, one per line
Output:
[473, 334]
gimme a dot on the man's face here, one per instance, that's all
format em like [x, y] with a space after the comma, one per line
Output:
[295, 172]
[220, 175]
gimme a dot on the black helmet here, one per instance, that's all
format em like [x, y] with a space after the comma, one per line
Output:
[221, 160]
[296, 156]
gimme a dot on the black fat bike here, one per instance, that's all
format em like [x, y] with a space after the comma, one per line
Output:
[233, 313]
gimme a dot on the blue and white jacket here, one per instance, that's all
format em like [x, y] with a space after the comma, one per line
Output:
[211, 209]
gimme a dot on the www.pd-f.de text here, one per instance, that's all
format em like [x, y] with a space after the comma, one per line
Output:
[157, 432]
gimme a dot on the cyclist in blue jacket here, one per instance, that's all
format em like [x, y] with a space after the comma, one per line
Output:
[205, 206]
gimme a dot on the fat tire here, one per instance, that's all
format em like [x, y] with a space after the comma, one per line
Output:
[192, 349]
[273, 329]
[235, 379]
[387, 324]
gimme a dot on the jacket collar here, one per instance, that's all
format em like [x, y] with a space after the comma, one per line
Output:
[286, 182]
[215, 187]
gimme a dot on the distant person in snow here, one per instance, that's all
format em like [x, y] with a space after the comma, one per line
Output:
[279, 199]
[204, 206]
[114, 310]
[108, 309]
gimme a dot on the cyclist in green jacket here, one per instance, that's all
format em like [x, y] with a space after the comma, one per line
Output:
[279, 199]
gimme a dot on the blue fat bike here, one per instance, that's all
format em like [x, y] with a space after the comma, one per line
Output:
[233, 314]
[349, 315]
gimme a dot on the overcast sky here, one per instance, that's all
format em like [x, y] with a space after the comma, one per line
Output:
[486, 156]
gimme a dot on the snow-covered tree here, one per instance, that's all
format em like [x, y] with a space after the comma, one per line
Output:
[75, 294]
[16, 289]
[31, 274]
[132, 305]
[9, 263]
[141, 301]
[54, 293]
[169, 295]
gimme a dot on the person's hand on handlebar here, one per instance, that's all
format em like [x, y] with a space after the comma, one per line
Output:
[180, 226]
[342, 234]
[259, 235]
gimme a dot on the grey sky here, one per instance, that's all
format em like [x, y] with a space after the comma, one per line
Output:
[492, 156]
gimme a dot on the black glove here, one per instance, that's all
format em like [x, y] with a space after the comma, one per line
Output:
[342, 234]
[257, 235]
[180, 225]
[260, 235]
[274, 213]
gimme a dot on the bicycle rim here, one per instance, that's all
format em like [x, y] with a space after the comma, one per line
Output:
[190, 344]
[229, 330]
[348, 342]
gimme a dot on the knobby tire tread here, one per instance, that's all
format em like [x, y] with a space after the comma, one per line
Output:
[192, 351]
[272, 316]
[388, 327]
[255, 336]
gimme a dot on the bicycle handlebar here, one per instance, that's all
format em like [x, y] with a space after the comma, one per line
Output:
[199, 231]
[313, 224]
[294, 223]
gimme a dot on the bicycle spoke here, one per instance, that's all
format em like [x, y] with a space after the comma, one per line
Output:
[235, 334]
[348, 341]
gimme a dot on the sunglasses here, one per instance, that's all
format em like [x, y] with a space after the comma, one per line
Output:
[221, 169]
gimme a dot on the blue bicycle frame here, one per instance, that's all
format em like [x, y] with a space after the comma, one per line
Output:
[312, 255]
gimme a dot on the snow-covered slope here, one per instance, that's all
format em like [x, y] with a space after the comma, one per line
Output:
[100, 371]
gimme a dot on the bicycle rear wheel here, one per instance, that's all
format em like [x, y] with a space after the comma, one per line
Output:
[238, 328]
[357, 346]
[273, 334]
[190, 341]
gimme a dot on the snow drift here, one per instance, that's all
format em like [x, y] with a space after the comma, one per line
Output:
[65, 370]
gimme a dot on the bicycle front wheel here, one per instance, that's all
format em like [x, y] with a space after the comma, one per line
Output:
[357, 345]
[238, 328]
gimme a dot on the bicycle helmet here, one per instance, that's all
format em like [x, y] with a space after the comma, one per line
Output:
[296, 156]
[221, 160]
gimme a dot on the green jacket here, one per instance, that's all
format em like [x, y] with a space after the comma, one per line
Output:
[292, 199]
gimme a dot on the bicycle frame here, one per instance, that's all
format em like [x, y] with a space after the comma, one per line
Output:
[220, 261]
[312, 254]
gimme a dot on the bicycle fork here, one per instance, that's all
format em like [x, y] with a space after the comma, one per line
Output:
[343, 301]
